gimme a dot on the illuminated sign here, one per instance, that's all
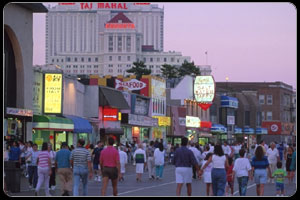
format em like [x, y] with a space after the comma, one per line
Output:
[163, 121]
[53, 93]
[204, 88]
[193, 122]
[119, 26]
[141, 4]
[89, 6]
[110, 114]
[133, 84]
[274, 128]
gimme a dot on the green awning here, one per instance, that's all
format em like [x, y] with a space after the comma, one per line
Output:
[52, 123]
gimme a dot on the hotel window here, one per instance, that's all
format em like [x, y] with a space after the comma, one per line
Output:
[82, 59]
[119, 58]
[157, 67]
[119, 66]
[263, 115]
[96, 59]
[62, 60]
[57, 60]
[110, 66]
[128, 43]
[128, 66]
[158, 59]
[145, 60]
[269, 99]
[261, 99]
[151, 59]
[89, 66]
[110, 43]
[172, 59]
[119, 43]
[89, 59]
[269, 116]
[165, 59]
[75, 59]
[95, 66]
[110, 58]
[128, 58]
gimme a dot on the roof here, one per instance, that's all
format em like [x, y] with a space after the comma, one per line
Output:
[34, 7]
[120, 17]
[113, 98]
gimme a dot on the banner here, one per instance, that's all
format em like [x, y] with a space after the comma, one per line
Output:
[53, 93]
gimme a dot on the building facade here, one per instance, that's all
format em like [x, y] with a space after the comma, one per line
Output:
[106, 38]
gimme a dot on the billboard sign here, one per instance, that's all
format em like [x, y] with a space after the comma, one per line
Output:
[193, 122]
[53, 93]
[204, 89]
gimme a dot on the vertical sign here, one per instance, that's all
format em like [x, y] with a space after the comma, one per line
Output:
[53, 93]
[37, 98]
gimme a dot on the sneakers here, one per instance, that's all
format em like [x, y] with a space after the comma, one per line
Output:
[99, 179]
[96, 178]
[53, 187]
[30, 187]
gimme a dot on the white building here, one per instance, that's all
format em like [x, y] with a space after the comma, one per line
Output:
[106, 38]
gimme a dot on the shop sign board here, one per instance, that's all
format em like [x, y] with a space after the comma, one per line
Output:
[163, 121]
[193, 122]
[204, 89]
[37, 99]
[140, 120]
[110, 114]
[19, 112]
[230, 120]
[274, 128]
[133, 84]
[53, 93]
[181, 121]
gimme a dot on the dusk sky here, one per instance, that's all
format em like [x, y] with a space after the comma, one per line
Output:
[247, 42]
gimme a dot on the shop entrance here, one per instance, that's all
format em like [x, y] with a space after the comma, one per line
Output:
[203, 141]
[60, 137]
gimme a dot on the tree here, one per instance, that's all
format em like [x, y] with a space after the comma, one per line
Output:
[169, 71]
[139, 69]
[188, 69]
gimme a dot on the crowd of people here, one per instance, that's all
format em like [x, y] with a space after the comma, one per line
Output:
[216, 164]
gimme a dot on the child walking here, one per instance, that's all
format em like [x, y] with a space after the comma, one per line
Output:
[279, 175]
[207, 175]
[230, 180]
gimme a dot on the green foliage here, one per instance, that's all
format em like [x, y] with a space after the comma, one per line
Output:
[139, 69]
[169, 71]
[188, 69]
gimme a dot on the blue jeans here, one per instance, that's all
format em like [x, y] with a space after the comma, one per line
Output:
[218, 177]
[243, 181]
[80, 172]
[33, 175]
[159, 170]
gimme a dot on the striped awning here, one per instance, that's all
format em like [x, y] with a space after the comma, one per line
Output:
[44, 122]
[218, 128]
[238, 130]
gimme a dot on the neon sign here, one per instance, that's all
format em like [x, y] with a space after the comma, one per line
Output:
[119, 26]
[89, 6]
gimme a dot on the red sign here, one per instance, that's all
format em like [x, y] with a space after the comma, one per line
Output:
[204, 106]
[274, 128]
[89, 6]
[119, 26]
[133, 84]
[110, 114]
[204, 124]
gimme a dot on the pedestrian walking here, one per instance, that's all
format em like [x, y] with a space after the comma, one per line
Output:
[63, 168]
[288, 158]
[14, 152]
[159, 161]
[44, 169]
[218, 173]
[242, 170]
[260, 164]
[198, 158]
[236, 148]
[293, 165]
[171, 155]
[184, 159]
[96, 160]
[123, 162]
[207, 174]
[32, 167]
[150, 160]
[82, 167]
[52, 182]
[110, 166]
[229, 179]
[226, 149]
[140, 159]
[279, 174]
[273, 158]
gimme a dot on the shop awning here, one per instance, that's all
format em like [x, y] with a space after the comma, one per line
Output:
[248, 130]
[81, 125]
[218, 128]
[113, 98]
[52, 123]
[238, 130]
[261, 131]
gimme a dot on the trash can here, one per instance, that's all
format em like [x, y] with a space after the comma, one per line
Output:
[12, 176]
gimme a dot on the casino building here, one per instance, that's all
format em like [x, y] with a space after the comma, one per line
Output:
[106, 38]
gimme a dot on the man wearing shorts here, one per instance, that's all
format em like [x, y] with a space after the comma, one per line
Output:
[96, 157]
[110, 166]
[184, 159]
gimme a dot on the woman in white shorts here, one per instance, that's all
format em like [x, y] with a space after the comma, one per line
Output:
[207, 175]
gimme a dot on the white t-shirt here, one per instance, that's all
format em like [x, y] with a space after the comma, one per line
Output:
[272, 155]
[236, 148]
[227, 149]
[196, 153]
[159, 157]
[241, 167]
[211, 149]
[208, 168]
[123, 157]
[218, 161]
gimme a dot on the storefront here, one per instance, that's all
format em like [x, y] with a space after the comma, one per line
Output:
[52, 129]
[249, 135]
[258, 133]
[82, 130]
[160, 132]
[238, 134]
[15, 123]
[204, 136]
[192, 128]
[219, 131]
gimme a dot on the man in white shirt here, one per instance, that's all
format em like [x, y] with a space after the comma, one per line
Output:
[226, 148]
[140, 159]
[197, 155]
[273, 157]
[123, 162]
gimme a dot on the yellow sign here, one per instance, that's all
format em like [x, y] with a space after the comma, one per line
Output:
[163, 121]
[53, 93]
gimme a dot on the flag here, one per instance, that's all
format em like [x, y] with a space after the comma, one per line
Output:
[206, 52]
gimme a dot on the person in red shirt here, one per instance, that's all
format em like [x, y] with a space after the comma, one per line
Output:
[110, 166]
[230, 180]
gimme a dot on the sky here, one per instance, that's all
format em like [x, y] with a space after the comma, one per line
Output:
[246, 42]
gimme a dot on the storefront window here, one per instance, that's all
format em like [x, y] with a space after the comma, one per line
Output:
[177, 141]
[83, 136]
[203, 141]
[39, 136]
[60, 137]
